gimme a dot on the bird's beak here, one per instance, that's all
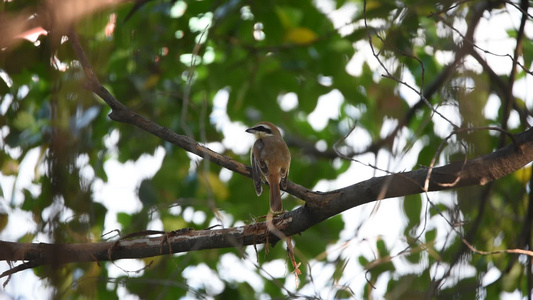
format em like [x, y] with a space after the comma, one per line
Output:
[250, 130]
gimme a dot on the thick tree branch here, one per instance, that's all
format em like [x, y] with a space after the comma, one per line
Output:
[478, 171]
[319, 206]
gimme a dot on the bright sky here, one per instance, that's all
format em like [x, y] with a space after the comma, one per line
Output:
[363, 227]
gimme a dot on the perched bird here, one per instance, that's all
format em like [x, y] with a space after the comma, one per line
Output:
[271, 161]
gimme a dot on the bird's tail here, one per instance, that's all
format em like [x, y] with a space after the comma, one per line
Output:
[275, 197]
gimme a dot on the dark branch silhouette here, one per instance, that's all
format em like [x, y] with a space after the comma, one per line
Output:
[319, 206]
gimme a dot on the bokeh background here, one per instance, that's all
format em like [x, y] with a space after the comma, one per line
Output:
[392, 78]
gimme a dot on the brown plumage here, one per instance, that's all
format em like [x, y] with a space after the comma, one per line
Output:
[271, 159]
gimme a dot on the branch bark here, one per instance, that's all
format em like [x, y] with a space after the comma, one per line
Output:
[319, 206]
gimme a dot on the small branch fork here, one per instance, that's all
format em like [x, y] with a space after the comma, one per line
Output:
[468, 47]
[319, 206]
[122, 113]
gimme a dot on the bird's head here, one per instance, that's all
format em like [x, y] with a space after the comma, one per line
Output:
[262, 129]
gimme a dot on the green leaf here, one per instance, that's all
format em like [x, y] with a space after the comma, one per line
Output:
[124, 219]
[382, 248]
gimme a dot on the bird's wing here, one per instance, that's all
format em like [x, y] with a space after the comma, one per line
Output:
[284, 178]
[256, 176]
[256, 168]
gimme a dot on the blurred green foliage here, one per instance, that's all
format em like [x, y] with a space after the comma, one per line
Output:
[169, 59]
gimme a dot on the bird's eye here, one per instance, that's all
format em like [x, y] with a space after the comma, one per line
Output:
[263, 129]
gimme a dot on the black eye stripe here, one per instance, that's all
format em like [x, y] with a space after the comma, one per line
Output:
[262, 128]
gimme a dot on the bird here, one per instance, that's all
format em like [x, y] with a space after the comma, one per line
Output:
[271, 159]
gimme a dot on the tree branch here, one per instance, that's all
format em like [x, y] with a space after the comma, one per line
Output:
[319, 206]
[122, 113]
[509, 101]
[425, 95]
[478, 171]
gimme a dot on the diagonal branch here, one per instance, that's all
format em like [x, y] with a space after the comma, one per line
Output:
[122, 113]
[509, 100]
[478, 171]
[319, 206]
[426, 94]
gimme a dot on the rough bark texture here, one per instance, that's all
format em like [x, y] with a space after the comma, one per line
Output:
[319, 207]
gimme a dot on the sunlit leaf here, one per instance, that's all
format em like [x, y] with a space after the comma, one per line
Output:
[300, 35]
[523, 175]
[4, 218]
